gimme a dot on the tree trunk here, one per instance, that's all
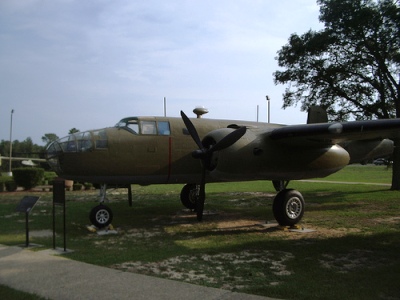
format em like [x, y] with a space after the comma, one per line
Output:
[396, 166]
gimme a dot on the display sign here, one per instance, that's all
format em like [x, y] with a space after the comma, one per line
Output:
[27, 203]
[59, 191]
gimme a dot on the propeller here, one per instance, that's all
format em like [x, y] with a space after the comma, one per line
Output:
[205, 155]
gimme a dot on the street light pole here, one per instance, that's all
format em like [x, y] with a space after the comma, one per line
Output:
[269, 108]
[12, 112]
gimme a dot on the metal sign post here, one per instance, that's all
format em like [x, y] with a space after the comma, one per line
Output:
[59, 199]
[25, 206]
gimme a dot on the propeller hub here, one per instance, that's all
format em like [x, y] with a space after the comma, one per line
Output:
[199, 154]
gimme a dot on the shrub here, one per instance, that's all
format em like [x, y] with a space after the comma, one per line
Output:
[49, 177]
[77, 186]
[11, 186]
[88, 186]
[7, 183]
[28, 177]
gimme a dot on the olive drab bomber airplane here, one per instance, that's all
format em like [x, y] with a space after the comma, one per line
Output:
[162, 150]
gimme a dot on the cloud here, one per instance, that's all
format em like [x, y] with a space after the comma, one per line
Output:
[86, 64]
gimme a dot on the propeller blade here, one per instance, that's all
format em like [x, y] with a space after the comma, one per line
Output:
[229, 140]
[192, 130]
[205, 154]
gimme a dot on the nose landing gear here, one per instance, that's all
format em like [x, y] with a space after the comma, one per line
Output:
[101, 215]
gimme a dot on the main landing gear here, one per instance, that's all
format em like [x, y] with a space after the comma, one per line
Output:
[288, 205]
[189, 195]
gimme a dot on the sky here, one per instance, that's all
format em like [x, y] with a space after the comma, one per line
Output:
[87, 64]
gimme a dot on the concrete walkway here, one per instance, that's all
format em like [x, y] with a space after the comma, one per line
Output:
[54, 277]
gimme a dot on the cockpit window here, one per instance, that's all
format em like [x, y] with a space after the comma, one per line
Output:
[131, 125]
[68, 143]
[148, 127]
[144, 127]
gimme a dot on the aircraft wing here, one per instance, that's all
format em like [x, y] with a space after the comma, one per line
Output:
[333, 133]
[23, 158]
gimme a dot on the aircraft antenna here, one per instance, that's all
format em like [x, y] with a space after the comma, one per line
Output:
[165, 106]
[200, 111]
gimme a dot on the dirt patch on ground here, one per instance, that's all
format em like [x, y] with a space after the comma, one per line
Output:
[355, 259]
[234, 271]
[230, 271]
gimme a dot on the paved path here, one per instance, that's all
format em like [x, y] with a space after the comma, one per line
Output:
[54, 277]
[344, 182]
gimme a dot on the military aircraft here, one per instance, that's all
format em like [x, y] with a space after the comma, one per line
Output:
[163, 150]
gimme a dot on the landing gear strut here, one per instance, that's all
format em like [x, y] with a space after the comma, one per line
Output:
[280, 185]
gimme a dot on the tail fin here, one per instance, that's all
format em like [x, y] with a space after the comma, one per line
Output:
[316, 114]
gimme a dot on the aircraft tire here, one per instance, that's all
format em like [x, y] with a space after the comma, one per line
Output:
[101, 216]
[288, 207]
[188, 195]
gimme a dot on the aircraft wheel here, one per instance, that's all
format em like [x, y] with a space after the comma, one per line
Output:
[189, 194]
[101, 216]
[288, 207]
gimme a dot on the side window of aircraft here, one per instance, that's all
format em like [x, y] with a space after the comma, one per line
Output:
[148, 127]
[163, 128]
[133, 126]
[84, 141]
[100, 139]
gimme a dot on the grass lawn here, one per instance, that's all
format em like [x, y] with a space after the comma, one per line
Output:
[353, 251]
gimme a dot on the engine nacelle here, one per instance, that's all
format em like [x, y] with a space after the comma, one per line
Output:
[258, 158]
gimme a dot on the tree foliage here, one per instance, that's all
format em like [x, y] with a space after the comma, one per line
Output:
[49, 138]
[73, 130]
[351, 67]
[25, 148]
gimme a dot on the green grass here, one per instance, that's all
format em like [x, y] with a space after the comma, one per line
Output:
[354, 252]
[9, 293]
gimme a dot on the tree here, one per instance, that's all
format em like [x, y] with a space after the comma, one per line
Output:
[351, 67]
[73, 130]
[49, 138]
[24, 149]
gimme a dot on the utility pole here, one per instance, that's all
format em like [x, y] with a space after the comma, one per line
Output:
[258, 109]
[9, 171]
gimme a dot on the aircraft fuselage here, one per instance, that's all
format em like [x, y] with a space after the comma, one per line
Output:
[158, 150]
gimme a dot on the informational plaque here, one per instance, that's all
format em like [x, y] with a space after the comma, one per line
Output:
[27, 203]
[59, 191]
[25, 206]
